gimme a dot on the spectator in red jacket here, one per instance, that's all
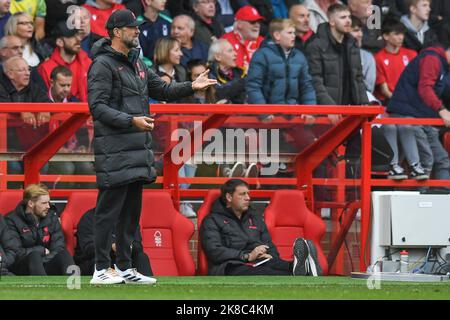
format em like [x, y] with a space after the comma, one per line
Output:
[245, 37]
[68, 53]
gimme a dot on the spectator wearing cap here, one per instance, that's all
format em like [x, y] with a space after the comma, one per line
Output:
[183, 28]
[68, 53]
[4, 15]
[245, 37]
[300, 15]
[120, 86]
[207, 26]
[155, 25]
[100, 11]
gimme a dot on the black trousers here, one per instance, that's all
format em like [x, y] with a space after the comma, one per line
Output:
[120, 207]
[273, 267]
[33, 265]
[140, 261]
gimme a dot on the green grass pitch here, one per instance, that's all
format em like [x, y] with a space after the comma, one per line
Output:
[222, 288]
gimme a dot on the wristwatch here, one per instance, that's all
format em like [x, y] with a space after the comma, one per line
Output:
[245, 257]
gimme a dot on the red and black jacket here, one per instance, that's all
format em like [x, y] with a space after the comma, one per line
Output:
[36, 236]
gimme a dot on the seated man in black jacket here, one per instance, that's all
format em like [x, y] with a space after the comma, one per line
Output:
[34, 224]
[85, 254]
[235, 238]
[8, 247]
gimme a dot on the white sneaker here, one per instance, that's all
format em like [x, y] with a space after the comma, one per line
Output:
[187, 210]
[106, 276]
[133, 276]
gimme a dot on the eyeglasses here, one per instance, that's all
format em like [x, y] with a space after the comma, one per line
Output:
[16, 47]
[207, 1]
[23, 70]
[25, 23]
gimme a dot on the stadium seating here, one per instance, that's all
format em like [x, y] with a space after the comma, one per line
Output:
[9, 199]
[288, 218]
[165, 236]
[78, 203]
[202, 212]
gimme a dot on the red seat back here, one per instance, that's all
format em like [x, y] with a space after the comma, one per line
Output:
[165, 236]
[9, 199]
[446, 142]
[288, 218]
[78, 204]
[202, 212]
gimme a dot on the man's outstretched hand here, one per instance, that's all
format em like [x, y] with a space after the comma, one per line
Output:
[144, 123]
[203, 82]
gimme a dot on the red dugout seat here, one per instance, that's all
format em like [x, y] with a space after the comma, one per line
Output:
[202, 212]
[9, 199]
[288, 218]
[165, 236]
[78, 203]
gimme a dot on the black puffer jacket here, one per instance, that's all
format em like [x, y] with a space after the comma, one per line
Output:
[225, 238]
[36, 237]
[327, 70]
[118, 90]
[9, 247]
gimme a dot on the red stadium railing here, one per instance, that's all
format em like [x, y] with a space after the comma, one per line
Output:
[214, 116]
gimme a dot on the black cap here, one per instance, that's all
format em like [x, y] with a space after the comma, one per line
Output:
[122, 18]
[62, 30]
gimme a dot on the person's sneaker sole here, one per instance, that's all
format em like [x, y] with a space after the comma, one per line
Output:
[421, 177]
[300, 255]
[97, 282]
[142, 282]
[313, 253]
[398, 177]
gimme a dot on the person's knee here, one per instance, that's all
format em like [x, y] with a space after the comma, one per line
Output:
[34, 257]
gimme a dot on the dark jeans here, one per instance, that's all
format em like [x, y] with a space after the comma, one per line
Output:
[140, 261]
[273, 267]
[33, 264]
[121, 207]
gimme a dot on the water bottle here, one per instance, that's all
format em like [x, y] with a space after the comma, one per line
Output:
[404, 261]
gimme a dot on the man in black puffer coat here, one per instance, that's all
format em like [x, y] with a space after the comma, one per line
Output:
[34, 224]
[119, 86]
[235, 238]
[8, 247]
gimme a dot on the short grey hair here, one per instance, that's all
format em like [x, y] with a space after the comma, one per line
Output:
[215, 48]
[3, 42]
[190, 21]
[11, 62]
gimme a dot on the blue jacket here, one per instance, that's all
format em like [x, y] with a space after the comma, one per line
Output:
[406, 99]
[274, 79]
